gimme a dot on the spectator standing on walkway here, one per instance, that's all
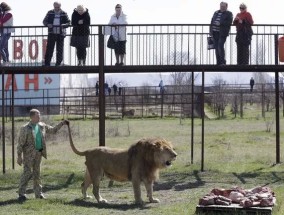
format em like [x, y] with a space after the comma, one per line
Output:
[97, 88]
[106, 88]
[57, 21]
[120, 86]
[6, 23]
[32, 145]
[80, 34]
[114, 89]
[219, 28]
[251, 83]
[161, 85]
[119, 34]
[243, 22]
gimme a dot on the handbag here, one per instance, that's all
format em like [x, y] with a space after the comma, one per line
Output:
[210, 43]
[111, 42]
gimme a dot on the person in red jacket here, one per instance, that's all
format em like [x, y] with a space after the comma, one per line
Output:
[6, 23]
[243, 22]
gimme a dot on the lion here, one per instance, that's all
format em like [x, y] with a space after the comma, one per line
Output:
[139, 164]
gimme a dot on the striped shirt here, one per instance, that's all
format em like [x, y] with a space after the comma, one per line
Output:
[56, 22]
[216, 27]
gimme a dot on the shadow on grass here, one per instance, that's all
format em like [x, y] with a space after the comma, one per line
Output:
[121, 207]
[68, 182]
[198, 183]
[46, 187]
[178, 182]
[243, 177]
[8, 188]
[10, 202]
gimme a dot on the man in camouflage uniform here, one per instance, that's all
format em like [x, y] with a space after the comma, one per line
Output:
[32, 145]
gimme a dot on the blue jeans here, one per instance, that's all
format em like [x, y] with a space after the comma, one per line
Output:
[219, 43]
[4, 46]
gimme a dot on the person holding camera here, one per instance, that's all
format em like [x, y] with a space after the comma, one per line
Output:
[243, 22]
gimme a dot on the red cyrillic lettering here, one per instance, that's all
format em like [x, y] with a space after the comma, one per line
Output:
[18, 49]
[33, 46]
[9, 83]
[29, 81]
[44, 44]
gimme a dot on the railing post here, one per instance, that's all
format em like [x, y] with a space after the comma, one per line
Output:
[276, 48]
[101, 89]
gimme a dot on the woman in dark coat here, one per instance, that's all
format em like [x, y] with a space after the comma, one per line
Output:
[80, 33]
[243, 22]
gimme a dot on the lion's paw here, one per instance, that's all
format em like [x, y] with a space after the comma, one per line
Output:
[88, 197]
[154, 200]
[139, 202]
[103, 201]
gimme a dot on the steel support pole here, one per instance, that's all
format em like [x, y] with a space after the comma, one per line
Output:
[277, 103]
[3, 124]
[202, 121]
[192, 116]
[101, 89]
[13, 122]
[277, 116]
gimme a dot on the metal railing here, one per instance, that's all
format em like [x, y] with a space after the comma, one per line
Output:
[148, 45]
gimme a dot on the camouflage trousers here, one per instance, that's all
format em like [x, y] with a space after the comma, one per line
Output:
[31, 171]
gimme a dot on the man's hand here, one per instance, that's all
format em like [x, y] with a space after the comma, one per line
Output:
[80, 22]
[20, 160]
[66, 122]
[49, 25]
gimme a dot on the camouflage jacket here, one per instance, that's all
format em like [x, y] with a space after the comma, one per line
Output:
[26, 142]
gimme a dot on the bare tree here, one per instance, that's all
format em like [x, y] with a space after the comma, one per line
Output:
[181, 78]
[219, 96]
[264, 84]
[260, 78]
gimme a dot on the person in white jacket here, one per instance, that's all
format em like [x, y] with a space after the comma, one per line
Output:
[6, 23]
[119, 34]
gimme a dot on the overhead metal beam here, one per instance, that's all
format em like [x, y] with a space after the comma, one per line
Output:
[142, 69]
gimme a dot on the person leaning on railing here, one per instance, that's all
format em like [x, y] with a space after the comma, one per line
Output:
[57, 21]
[219, 28]
[80, 34]
[119, 34]
[6, 23]
[243, 22]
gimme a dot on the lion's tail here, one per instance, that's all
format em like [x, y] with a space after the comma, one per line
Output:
[72, 144]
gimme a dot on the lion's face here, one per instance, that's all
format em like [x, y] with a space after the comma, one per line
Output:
[164, 154]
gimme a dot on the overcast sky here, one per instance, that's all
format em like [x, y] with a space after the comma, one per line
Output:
[32, 12]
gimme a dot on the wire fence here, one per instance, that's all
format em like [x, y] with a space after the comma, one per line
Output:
[145, 101]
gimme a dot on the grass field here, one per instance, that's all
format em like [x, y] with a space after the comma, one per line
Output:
[238, 152]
